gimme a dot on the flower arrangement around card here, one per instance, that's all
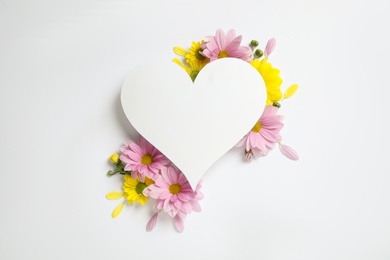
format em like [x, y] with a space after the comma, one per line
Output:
[150, 177]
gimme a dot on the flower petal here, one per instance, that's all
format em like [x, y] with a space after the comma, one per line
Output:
[152, 223]
[269, 48]
[179, 224]
[180, 51]
[288, 152]
[118, 210]
[115, 195]
[290, 91]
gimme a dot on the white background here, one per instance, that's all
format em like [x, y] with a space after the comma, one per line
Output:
[62, 65]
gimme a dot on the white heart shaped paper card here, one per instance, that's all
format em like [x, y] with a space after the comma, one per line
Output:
[194, 124]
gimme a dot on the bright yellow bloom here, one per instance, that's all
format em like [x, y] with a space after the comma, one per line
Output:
[194, 58]
[132, 193]
[114, 158]
[192, 69]
[133, 189]
[271, 79]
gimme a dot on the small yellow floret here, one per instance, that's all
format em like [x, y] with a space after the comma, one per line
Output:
[114, 158]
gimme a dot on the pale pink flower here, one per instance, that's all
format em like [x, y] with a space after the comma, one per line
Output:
[269, 48]
[222, 46]
[263, 136]
[173, 195]
[143, 158]
[172, 192]
[288, 152]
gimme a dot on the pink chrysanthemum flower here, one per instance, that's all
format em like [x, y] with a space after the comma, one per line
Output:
[173, 195]
[142, 158]
[263, 136]
[222, 46]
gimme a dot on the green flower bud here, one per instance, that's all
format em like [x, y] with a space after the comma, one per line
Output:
[254, 43]
[258, 54]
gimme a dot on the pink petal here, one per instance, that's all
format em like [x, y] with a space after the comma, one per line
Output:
[269, 48]
[183, 196]
[134, 156]
[233, 46]
[271, 136]
[177, 204]
[288, 152]
[167, 206]
[220, 39]
[248, 156]
[128, 167]
[172, 175]
[182, 179]
[179, 224]
[174, 198]
[241, 142]
[152, 223]
[164, 195]
[164, 174]
[195, 206]
[231, 35]
[257, 152]
[136, 149]
[158, 205]
[146, 191]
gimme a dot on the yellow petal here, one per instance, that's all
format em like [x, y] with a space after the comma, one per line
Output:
[142, 200]
[118, 210]
[115, 195]
[180, 64]
[180, 51]
[290, 91]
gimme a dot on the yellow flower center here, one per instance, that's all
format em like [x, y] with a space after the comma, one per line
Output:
[139, 188]
[198, 55]
[257, 127]
[147, 159]
[223, 54]
[175, 188]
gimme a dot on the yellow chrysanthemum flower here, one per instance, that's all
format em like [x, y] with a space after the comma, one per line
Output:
[194, 58]
[271, 79]
[192, 69]
[133, 189]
